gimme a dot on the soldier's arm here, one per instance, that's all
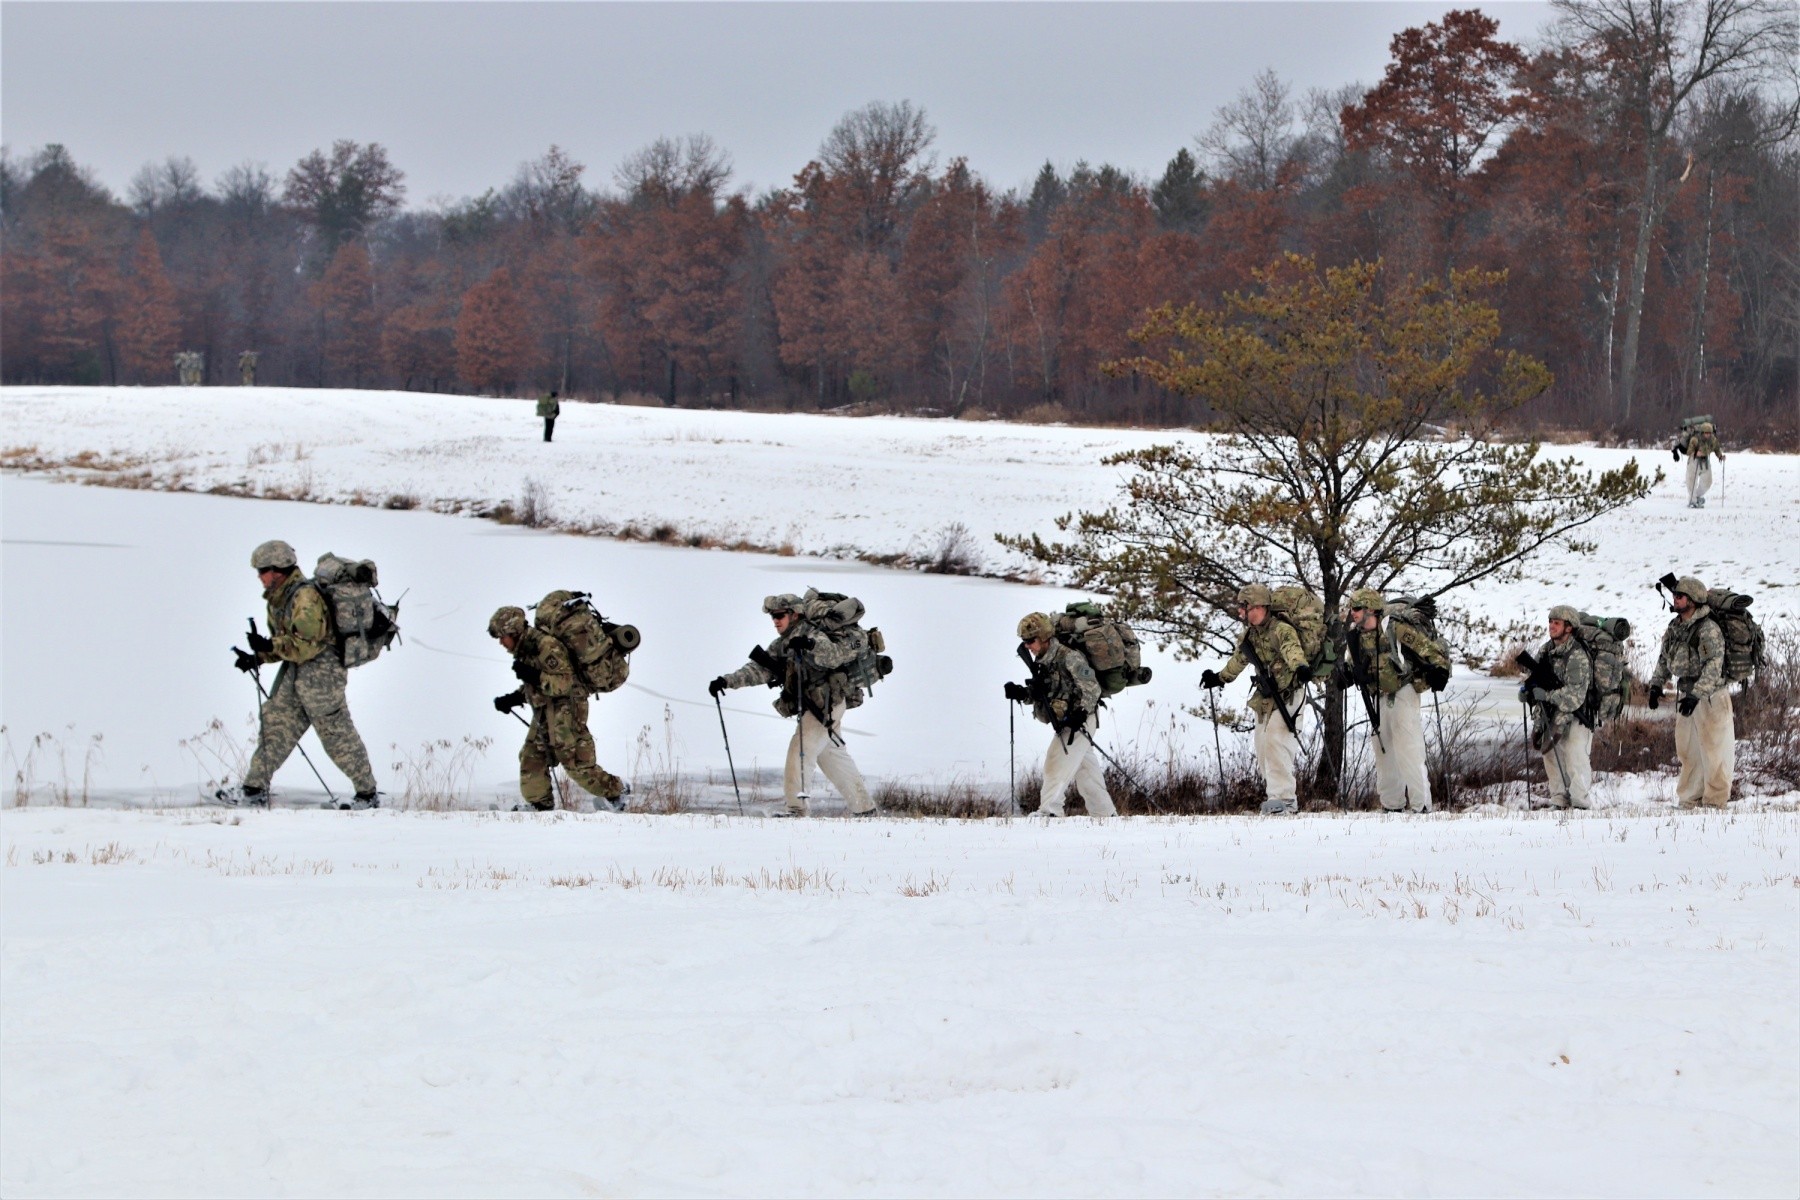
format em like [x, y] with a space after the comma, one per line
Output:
[309, 627]
[1234, 666]
[1287, 642]
[1416, 641]
[558, 672]
[752, 674]
[1086, 685]
[1578, 672]
[1712, 659]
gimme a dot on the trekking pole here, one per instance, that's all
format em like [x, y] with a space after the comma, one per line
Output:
[1212, 694]
[1129, 777]
[720, 705]
[1443, 752]
[800, 792]
[1012, 756]
[256, 677]
[1525, 771]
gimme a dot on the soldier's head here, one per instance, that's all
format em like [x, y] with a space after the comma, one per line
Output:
[274, 561]
[1366, 606]
[783, 610]
[1035, 631]
[1563, 620]
[1689, 594]
[1253, 601]
[507, 626]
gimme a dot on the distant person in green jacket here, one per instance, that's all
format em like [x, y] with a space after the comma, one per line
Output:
[549, 409]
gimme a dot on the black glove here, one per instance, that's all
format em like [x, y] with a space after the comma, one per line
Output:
[1303, 676]
[1437, 677]
[246, 661]
[1076, 719]
[1341, 678]
[509, 701]
[260, 644]
[1675, 453]
[1655, 697]
[800, 642]
[528, 674]
[1209, 679]
[1687, 705]
[1018, 693]
[717, 687]
[762, 658]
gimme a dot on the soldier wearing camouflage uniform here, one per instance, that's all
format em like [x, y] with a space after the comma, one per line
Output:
[1393, 663]
[1561, 724]
[549, 408]
[808, 668]
[1693, 654]
[559, 714]
[1281, 670]
[1064, 695]
[247, 367]
[309, 687]
[1700, 444]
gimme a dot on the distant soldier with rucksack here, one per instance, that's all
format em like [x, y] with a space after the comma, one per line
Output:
[1694, 655]
[1699, 440]
[1559, 692]
[247, 367]
[1271, 644]
[1392, 656]
[1065, 694]
[823, 662]
[552, 683]
[549, 408]
[309, 688]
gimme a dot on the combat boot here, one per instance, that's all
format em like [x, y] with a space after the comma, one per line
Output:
[246, 797]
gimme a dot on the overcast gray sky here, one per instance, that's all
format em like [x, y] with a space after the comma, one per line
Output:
[462, 93]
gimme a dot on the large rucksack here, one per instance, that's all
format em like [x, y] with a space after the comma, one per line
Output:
[1609, 688]
[1109, 645]
[1305, 612]
[839, 618]
[599, 649]
[1743, 636]
[362, 622]
[1420, 613]
[1703, 428]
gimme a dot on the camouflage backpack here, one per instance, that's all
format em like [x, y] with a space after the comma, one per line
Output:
[1703, 429]
[1420, 613]
[598, 649]
[1743, 636]
[1109, 645]
[1306, 613]
[1604, 640]
[362, 622]
[839, 618]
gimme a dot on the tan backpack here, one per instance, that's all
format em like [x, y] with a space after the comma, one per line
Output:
[598, 649]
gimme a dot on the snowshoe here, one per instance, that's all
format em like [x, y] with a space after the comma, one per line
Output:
[239, 796]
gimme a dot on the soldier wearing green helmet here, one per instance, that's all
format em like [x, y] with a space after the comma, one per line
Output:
[1693, 655]
[1272, 646]
[558, 733]
[1391, 663]
[1064, 694]
[1562, 729]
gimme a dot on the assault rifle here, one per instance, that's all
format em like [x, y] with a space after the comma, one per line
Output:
[1264, 680]
[1538, 674]
[1365, 686]
[1069, 725]
[779, 672]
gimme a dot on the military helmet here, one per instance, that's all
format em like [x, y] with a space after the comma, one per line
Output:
[276, 555]
[506, 622]
[785, 602]
[1253, 594]
[1367, 599]
[1692, 588]
[1035, 626]
[1566, 614]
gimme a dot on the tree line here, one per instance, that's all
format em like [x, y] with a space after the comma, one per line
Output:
[1635, 183]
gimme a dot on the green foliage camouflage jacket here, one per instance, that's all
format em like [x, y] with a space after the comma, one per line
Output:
[1278, 645]
[557, 679]
[1386, 646]
[821, 666]
[1068, 685]
[1701, 446]
[299, 620]
[549, 406]
[1693, 654]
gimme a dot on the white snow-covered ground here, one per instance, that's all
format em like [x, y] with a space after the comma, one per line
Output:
[201, 1002]
[294, 1003]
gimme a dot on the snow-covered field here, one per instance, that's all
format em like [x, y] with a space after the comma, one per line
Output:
[289, 1004]
[471, 1003]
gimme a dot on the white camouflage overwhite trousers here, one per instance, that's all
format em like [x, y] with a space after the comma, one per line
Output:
[828, 756]
[1400, 754]
[1699, 477]
[1570, 763]
[1706, 744]
[1276, 748]
[1072, 760]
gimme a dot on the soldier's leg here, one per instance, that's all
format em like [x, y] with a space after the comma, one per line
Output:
[573, 745]
[791, 783]
[1090, 776]
[535, 761]
[283, 721]
[837, 765]
[1276, 749]
[1405, 733]
[1062, 761]
[1691, 782]
[1578, 753]
[1718, 742]
[1702, 483]
[320, 682]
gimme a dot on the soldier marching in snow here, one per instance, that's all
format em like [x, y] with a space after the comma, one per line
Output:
[1273, 647]
[558, 732]
[247, 367]
[309, 687]
[1693, 655]
[1391, 663]
[1699, 440]
[820, 677]
[1064, 693]
[549, 408]
[1562, 724]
